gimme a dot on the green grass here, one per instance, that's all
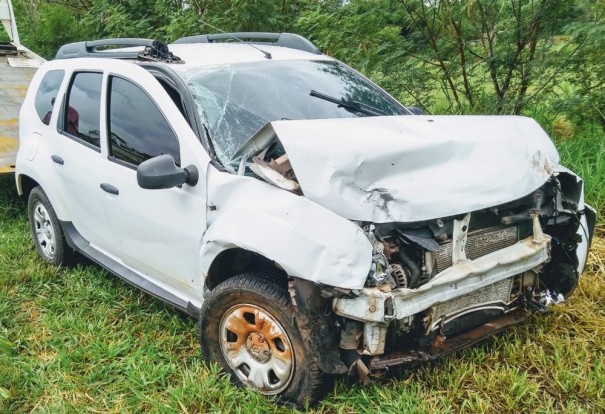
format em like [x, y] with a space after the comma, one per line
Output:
[80, 340]
[583, 153]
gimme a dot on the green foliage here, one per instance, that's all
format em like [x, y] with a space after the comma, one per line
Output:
[110, 19]
[52, 26]
[447, 56]
[587, 69]
[584, 154]
[464, 56]
[251, 16]
[3, 36]
[182, 23]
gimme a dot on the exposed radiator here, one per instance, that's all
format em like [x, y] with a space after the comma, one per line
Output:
[479, 243]
[497, 295]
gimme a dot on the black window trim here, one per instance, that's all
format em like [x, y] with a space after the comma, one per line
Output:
[121, 162]
[110, 157]
[61, 120]
[161, 77]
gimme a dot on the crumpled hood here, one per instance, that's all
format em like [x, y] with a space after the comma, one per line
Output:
[414, 168]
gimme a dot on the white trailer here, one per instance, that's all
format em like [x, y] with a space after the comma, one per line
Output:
[17, 67]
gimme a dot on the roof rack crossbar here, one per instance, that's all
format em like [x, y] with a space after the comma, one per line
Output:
[89, 48]
[289, 40]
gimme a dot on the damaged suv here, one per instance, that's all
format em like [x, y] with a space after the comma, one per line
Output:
[313, 224]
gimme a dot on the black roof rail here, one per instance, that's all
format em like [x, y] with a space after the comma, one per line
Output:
[289, 40]
[89, 48]
[154, 50]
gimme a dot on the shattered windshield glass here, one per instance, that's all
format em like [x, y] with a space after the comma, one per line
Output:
[235, 101]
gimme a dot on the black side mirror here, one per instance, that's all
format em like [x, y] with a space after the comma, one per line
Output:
[161, 172]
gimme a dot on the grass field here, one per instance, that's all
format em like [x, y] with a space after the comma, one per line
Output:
[80, 340]
[584, 154]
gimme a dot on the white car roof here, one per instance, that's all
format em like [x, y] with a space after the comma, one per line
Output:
[211, 54]
[196, 55]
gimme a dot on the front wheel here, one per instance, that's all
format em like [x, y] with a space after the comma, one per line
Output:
[246, 326]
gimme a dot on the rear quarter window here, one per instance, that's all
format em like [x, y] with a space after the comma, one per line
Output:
[47, 94]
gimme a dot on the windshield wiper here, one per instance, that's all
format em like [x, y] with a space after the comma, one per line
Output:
[349, 105]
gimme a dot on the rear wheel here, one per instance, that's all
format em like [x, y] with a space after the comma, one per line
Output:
[247, 327]
[46, 230]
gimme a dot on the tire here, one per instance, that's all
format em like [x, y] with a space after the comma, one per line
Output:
[46, 230]
[247, 326]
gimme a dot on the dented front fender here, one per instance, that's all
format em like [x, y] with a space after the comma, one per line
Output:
[307, 240]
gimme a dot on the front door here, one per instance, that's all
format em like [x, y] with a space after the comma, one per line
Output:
[158, 232]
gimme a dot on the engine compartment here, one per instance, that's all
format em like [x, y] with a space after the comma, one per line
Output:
[421, 250]
[407, 257]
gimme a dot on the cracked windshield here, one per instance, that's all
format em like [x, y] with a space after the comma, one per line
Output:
[236, 101]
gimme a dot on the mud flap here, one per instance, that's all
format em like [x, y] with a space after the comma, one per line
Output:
[316, 329]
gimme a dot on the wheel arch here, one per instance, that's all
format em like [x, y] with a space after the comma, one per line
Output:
[309, 306]
[25, 185]
[237, 260]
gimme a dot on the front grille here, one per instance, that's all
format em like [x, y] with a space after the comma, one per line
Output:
[478, 244]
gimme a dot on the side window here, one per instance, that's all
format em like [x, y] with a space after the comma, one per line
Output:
[81, 116]
[47, 93]
[137, 129]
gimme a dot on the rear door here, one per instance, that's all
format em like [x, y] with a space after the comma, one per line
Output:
[78, 155]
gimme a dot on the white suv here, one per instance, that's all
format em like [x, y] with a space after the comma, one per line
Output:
[312, 223]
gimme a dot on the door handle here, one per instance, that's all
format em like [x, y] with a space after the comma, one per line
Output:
[108, 188]
[57, 159]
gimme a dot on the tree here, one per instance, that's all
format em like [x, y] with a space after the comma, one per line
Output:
[512, 45]
[486, 56]
[453, 56]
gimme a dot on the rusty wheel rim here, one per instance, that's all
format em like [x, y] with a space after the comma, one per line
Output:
[257, 348]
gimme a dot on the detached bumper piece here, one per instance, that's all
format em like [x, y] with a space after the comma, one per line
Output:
[441, 346]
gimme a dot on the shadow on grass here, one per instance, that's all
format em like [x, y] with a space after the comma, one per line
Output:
[11, 205]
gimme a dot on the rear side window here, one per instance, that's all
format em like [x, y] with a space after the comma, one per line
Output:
[137, 128]
[81, 115]
[47, 94]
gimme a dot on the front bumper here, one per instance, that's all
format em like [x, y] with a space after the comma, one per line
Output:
[373, 305]
[377, 307]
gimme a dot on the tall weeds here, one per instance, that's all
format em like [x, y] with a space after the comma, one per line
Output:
[584, 153]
